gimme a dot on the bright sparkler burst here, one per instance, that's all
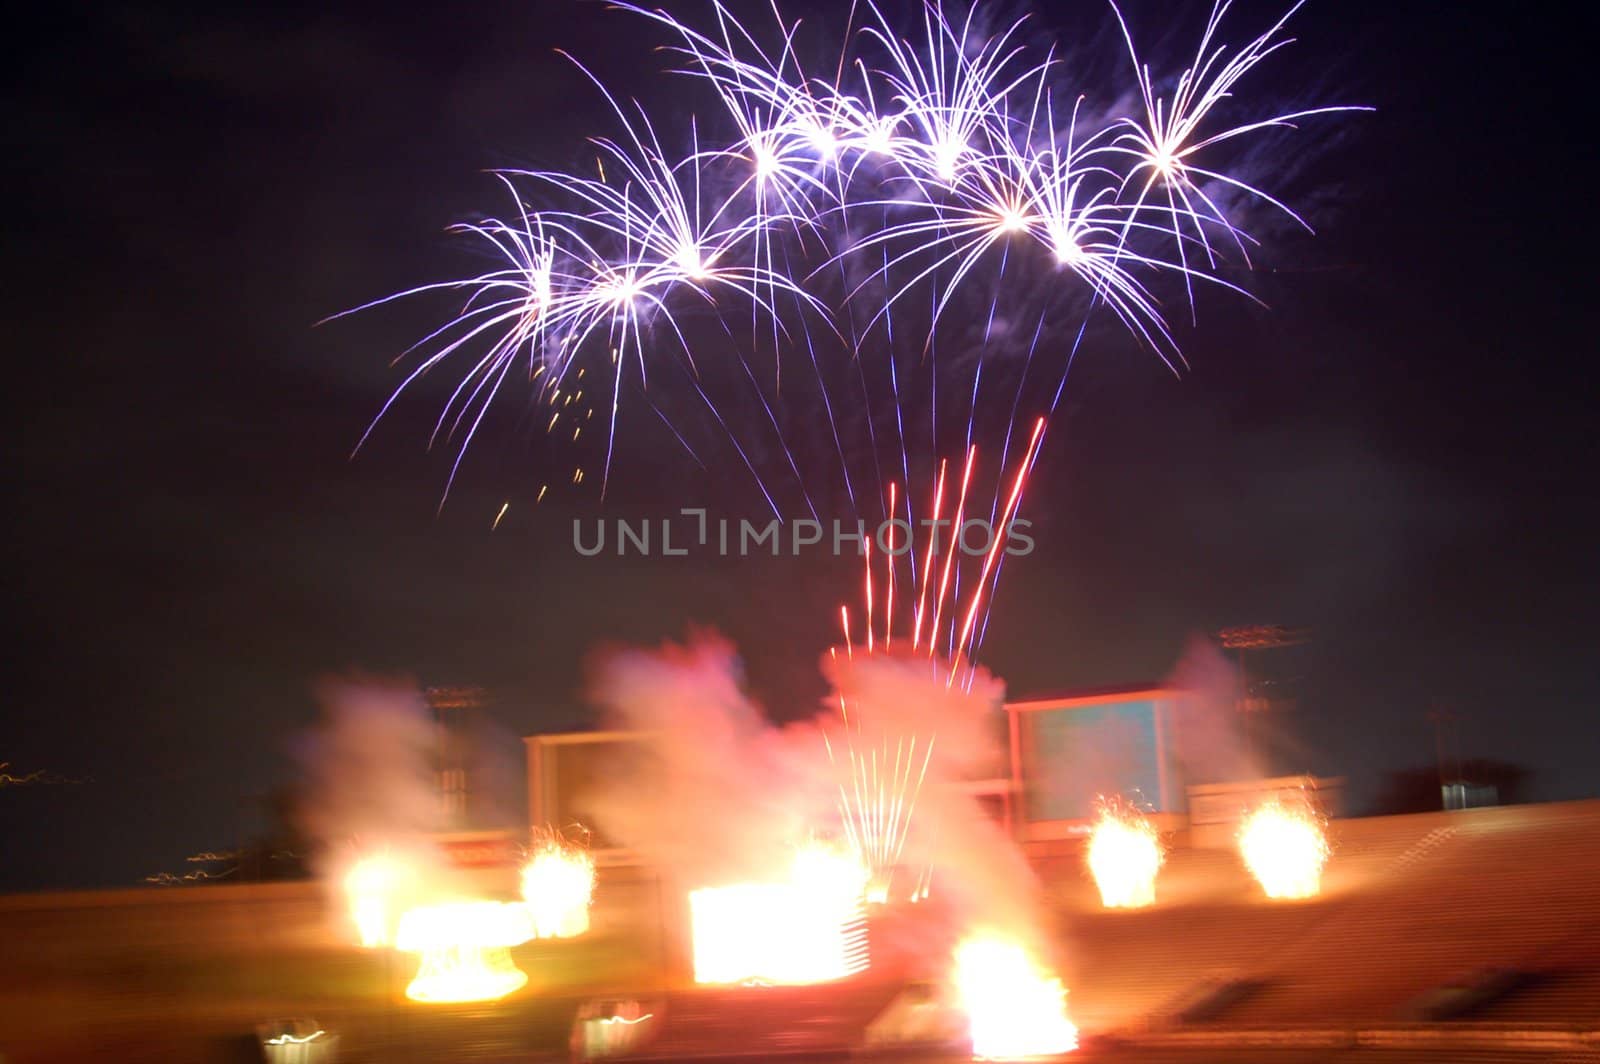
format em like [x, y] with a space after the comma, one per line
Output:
[1285, 847]
[465, 948]
[805, 928]
[822, 207]
[558, 887]
[373, 887]
[1015, 1010]
[1124, 856]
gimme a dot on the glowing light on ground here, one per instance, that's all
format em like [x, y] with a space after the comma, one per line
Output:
[465, 949]
[1124, 857]
[557, 887]
[372, 887]
[297, 1042]
[1015, 1010]
[613, 1034]
[809, 928]
[1285, 848]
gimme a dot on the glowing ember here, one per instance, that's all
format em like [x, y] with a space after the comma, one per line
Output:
[465, 950]
[809, 929]
[624, 1028]
[1124, 856]
[1285, 849]
[557, 887]
[372, 886]
[1015, 1011]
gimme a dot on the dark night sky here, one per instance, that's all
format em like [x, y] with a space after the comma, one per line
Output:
[1396, 454]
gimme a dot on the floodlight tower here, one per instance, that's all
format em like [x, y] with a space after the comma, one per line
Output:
[451, 706]
[1258, 637]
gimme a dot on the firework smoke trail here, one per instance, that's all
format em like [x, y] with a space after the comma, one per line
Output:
[951, 144]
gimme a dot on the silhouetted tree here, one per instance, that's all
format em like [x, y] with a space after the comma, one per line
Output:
[280, 852]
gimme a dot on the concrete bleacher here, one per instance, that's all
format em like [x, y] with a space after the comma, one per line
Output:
[1410, 905]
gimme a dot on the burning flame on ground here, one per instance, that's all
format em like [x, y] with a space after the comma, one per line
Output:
[806, 929]
[1124, 857]
[1015, 1010]
[372, 886]
[465, 949]
[557, 887]
[1285, 849]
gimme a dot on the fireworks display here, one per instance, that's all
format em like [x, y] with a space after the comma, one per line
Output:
[465, 948]
[1124, 856]
[558, 887]
[1285, 846]
[1014, 1009]
[959, 181]
[819, 215]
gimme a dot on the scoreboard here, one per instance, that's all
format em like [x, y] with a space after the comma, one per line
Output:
[1070, 751]
[564, 769]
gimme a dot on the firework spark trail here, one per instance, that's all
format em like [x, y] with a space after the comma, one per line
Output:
[961, 636]
[1164, 141]
[882, 773]
[949, 138]
[1012, 502]
[950, 550]
[878, 794]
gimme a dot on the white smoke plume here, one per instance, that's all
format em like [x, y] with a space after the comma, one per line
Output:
[724, 795]
[370, 778]
[1211, 743]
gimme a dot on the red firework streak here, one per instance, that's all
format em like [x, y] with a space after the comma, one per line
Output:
[927, 625]
[885, 777]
